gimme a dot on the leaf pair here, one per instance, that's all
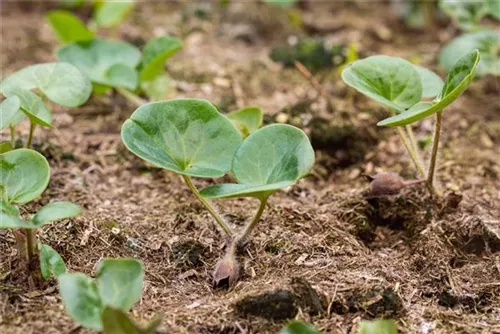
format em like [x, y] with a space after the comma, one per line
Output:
[192, 138]
[61, 83]
[118, 64]
[101, 303]
[400, 85]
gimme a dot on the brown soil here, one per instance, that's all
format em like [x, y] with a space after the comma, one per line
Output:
[322, 252]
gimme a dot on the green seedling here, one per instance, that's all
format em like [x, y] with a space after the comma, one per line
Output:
[24, 175]
[488, 44]
[468, 14]
[119, 65]
[190, 137]
[378, 326]
[102, 303]
[247, 120]
[60, 83]
[405, 90]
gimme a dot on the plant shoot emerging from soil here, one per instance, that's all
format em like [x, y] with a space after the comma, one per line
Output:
[191, 138]
[401, 86]
[60, 83]
[102, 303]
[24, 175]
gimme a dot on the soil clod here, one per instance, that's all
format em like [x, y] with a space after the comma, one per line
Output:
[276, 305]
[189, 254]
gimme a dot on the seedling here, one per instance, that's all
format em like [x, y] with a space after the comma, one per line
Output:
[468, 14]
[378, 326]
[24, 175]
[247, 120]
[61, 83]
[488, 44]
[190, 137]
[102, 303]
[401, 86]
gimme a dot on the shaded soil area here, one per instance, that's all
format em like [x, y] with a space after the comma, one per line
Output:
[322, 252]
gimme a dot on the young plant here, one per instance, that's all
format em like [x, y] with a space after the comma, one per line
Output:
[247, 120]
[401, 86]
[24, 175]
[102, 303]
[61, 83]
[488, 44]
[191, 138]
[468, 14]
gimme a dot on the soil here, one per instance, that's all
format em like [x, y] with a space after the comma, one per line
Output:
[322, 252]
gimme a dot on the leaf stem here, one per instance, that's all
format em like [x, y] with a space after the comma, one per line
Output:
[30, 244]
[435, 147]
[411, 152]
[12, 136]
[207, 205]
[131, 97]
[249, 228]
[30, 136]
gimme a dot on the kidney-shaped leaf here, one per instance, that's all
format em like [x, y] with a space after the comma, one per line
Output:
[119, 282]
[50, 262]
[8, 109]
[299, 327]
[24, 175]
[55, 211]
[187, 136]
[272, 158]
[488, 44]
[97, 59]
[62, 83]
[31, 106]
[81, 299]
[155, 54]
[432, 84]
[392, 81]
[247, 120]
[458, 80]
[68, 27]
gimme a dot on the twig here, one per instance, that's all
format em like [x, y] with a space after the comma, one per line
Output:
[308, 75]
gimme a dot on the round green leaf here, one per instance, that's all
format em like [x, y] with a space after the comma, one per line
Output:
[50, 261]
[392, 81]
[488, 44]
[68, 27]
[378, 326]
[247, 120]
[55, 211]
[119, 282]
[187, 136]
[432, 84]
[8, 109]
[458, 80]
[32, 106]
[62, 83]
[299, 327]
[81, 299]
[111, 13]
[24, 175]
[98, 59]
[273, 157]
[155, 54]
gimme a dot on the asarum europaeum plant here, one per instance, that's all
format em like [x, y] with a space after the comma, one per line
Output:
[406, 89]
[102, 303]
[61, 83]
[24, 175]
[190, 137]
[488, 44]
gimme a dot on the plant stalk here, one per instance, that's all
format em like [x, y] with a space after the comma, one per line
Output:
[249, 228]
[12, 136]
[435, 147]
[30, 244]
[207, 205]
[30, 136]
[131, 97]
[413, 154]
